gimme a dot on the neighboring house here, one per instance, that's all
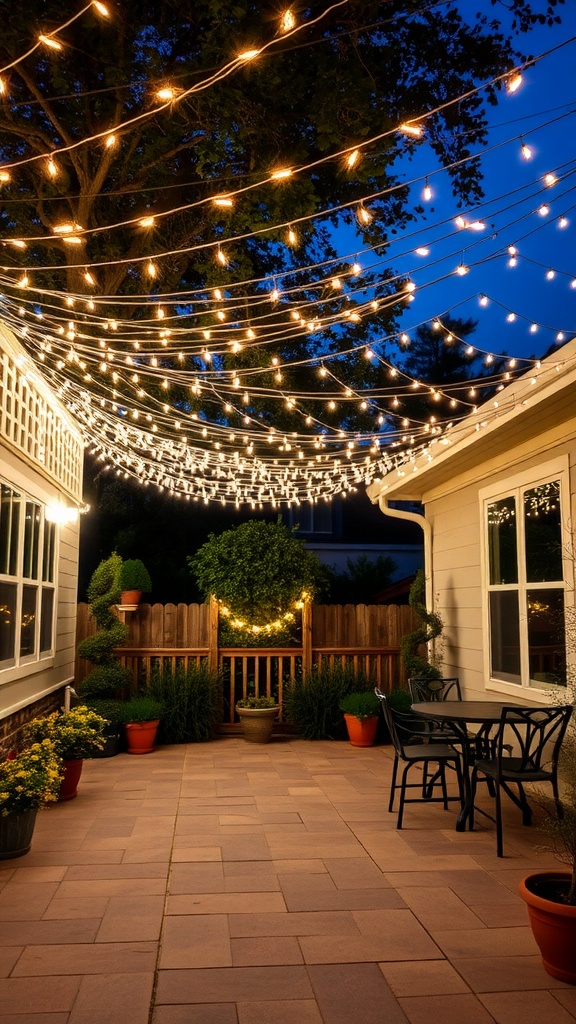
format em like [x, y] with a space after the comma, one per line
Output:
[499, 496]
[342, 531]
[41, 455]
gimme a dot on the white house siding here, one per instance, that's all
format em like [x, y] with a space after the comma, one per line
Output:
[454, 513]
[40, 455]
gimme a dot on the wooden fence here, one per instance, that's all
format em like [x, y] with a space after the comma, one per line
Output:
[366, 637]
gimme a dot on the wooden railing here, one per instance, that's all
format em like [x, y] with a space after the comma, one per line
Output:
[262, 671]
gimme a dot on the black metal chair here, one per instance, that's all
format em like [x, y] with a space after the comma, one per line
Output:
[478, 744]
[414, 748]
[537, 735]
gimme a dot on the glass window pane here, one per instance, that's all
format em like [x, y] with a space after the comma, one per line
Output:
[48, 552]
[46, 620]
[31, 540]
[546, 637]
[542, 526]
[28, 624]
[9, 523]
[502, 546]
[8, 594]
[504, 636]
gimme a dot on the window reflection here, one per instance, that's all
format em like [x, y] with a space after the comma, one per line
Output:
[542, 530]
[502, 543]
[546, 637]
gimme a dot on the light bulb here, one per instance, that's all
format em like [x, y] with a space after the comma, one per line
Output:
[544, 210]
[427, 192]
[284, 172]
[411, 129]
[248, 54]
[514, 82]
[563, 222]
[526, 151]
[49, 41]
[462, 269]
[166, 94]
[353, 158]
[146, 222]
[422, 250]
[550, 179]
[288, 21]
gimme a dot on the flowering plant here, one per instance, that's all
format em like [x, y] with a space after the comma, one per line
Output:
[75, 734]
[30, 780]
[257, 703]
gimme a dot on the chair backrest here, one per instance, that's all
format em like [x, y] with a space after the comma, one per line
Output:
[434, 689]
[404, 727]
[538, 734]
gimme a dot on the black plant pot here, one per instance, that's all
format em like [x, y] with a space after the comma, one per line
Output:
[112, 746]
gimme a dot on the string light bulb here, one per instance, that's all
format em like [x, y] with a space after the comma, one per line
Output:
[427, 192]
[221, 257]
[282, 172]
[550, 179]
[414, 130]
[248, 54]
[287, 21]
[526, 150]
[514, 82]
[166, 93]
[49, 41]
[352, 158]
[101, 8]
[52, 168]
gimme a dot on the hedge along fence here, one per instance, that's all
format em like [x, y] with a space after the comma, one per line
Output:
[366, 637]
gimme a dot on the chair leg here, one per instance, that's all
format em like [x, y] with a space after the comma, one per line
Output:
[473, 781]
[443, 783]
[499, 843]
[402, 795]
[393, 784]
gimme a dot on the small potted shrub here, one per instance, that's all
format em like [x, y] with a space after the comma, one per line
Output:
[361, 714]
[75, 734]
[141, 716]
[133, 580]
[257, 715]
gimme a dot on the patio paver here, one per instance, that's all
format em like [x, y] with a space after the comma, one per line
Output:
[217, 884]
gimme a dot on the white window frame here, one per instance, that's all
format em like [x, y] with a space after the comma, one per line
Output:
[557, 469]
[11, 665]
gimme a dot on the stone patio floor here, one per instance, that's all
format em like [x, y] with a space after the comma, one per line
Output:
[231, 883]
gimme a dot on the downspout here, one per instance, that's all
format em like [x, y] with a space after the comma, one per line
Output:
[415, 517]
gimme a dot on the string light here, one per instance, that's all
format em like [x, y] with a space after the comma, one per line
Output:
[288, 21]
[526, 151]
[49, 41]
[427, 192]
[514, 82]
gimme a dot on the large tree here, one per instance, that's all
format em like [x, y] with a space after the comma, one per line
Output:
[189, 285]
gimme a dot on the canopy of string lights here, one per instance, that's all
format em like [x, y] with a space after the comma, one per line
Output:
[223, 294]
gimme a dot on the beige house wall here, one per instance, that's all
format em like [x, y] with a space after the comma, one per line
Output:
[457, 571]
[48, 471]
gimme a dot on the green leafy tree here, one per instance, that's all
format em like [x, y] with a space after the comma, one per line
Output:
[260, 573]
[353, 72]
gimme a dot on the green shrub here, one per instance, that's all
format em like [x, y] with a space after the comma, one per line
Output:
[192, 702]
[110, 710]
[133, 575]
[429, 631]
[313, 703]
[257, 703]
[143, 708]
[361, 705]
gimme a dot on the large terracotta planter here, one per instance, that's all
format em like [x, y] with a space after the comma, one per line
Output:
[257, 723]
[70, 780]
[140, 736]
[16, 834]
[130, 599]
[553, 925]
[361, 731]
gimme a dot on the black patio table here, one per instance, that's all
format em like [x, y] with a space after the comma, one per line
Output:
[459, 714]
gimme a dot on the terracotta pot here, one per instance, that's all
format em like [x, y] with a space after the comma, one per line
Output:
[130, 597]
[361, 731]
[257, 723]
[69, 784]
[140, 736]
[16, 834]
[553, 925]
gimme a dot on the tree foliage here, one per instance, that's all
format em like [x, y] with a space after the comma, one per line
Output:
[260, 570]
[351, 74]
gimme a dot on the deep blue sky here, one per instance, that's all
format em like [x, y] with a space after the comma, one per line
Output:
[547, 94]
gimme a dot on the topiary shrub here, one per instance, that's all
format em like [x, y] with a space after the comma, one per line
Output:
[260, 574]
[313, 703]
[415, 663]
[109, 681]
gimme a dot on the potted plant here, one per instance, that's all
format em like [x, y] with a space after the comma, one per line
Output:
[75, 734]
[141, 716]
[28, 780]
[551, 895]
[361, 714]
[257, 715]
[133, 580]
